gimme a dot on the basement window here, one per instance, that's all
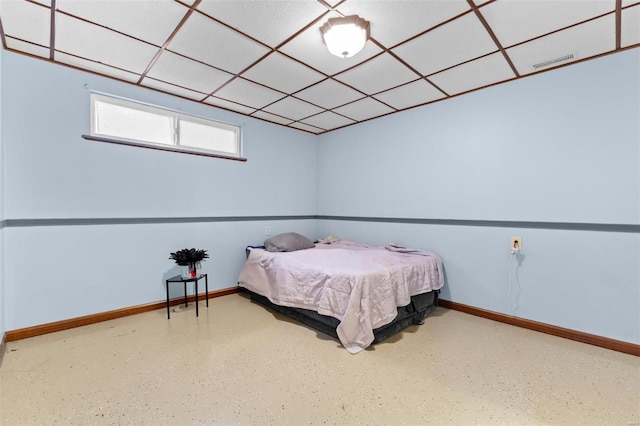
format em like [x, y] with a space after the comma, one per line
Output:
[121, 121]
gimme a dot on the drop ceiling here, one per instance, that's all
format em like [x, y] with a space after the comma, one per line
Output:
[266, 59]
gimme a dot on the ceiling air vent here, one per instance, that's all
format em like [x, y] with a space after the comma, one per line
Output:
[554, 61]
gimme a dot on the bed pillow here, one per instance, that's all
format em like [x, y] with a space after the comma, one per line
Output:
[289, 241]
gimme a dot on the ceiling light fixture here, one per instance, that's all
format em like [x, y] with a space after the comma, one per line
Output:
[346, 36]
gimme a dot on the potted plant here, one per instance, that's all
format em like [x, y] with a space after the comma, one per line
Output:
[189, 261]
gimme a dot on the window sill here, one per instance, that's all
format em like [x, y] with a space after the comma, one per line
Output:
[161, 148]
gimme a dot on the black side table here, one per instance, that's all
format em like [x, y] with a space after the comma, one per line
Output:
[179, 279]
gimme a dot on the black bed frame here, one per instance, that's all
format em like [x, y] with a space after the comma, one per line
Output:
[420, 306]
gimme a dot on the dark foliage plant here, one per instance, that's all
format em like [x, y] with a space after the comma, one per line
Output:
[190, 256]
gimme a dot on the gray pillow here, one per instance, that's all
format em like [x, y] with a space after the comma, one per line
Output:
[289, 241]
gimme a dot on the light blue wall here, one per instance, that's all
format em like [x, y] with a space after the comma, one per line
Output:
[53, 173]
[562, 146]
[58, 272]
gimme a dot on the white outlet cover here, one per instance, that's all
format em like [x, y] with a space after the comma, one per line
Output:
[516, 243]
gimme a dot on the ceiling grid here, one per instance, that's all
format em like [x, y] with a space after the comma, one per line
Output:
[266, 58]
[52, 42]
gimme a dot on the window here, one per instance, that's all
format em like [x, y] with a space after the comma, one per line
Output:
[121, 121]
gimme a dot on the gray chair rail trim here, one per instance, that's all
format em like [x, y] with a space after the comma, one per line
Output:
[563, 226]
[21, 223]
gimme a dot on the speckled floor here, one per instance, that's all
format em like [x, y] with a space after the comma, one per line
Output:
[239, 363]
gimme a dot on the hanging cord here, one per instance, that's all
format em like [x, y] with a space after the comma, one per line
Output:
[513, 305]
[509, 283]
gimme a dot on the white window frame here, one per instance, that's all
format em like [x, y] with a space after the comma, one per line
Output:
[175, 117]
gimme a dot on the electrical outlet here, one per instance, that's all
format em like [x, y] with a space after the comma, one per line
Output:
[267, 230]
[516, 243]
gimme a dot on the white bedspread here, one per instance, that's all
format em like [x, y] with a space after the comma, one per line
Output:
[359, 285]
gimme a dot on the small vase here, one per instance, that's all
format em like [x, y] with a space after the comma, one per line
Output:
[189, 271]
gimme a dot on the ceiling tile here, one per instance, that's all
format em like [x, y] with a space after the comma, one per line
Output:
[514, 21]
[102, 45]
[96, 67]
[247, 93]
[173, 89]
[222, 103]
[307, 128]
[364, 109]
[481, 72]
[282, 73]
[271, 22]
[409, 95]
[461, 40]
[29, 48]
[584, 41]
[205, 40]
[26, 21]
[327, 120]
[629, 2]
[329, 94]
[271, 117]
[309, 48]
[378, 74]
[293, 108]
[394, 21]
[148, 20]
[187, 73]
[630, 26]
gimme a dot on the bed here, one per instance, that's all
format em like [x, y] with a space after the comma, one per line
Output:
[354, 292]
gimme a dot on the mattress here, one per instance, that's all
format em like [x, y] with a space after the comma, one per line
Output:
[414, 313]
[346, 289]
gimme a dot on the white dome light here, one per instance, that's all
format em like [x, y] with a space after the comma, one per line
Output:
[346, 36]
